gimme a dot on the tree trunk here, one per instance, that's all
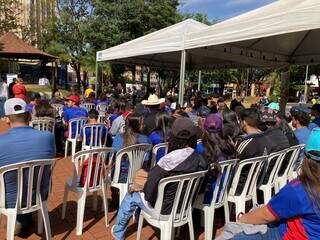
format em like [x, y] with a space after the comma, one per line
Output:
[284, 89]
[54, 77]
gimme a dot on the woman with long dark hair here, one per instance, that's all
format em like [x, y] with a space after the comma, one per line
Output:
[297, 206]
[161, 132]
[217, 147]
[131, 136]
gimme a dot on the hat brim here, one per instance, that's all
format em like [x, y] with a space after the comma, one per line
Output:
[147, 103]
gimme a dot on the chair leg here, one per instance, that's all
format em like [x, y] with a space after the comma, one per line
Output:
[140, 224]
[240, 206]
[64, 204]
[40, 222]
[11, 223]
[190, 223]
[80, 213]
[46, 220]
[208, 224]
[95, 201]
[167, 231]
[66, 149]
[105, 206]
[226, 212]
[73, 148]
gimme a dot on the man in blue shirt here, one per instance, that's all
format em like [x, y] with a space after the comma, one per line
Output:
[73, 111]
[300, 121]
[20, 144]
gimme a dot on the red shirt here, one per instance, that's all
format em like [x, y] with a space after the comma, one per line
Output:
[19, 91]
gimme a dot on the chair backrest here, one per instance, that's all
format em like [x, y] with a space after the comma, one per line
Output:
[43, 124]
[272, 167]
[30, 183]
[222, 183]
[59, 108]
[94, 135]
[89, 165]
[136, 156]
[102, 107]
[292, 156]
[88, 106]
[155, 150]
[248, 169]
[78, 123]
[187, 189]
[102, 117]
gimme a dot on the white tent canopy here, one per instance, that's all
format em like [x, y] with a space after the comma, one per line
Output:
[284, 32]
[158, 49]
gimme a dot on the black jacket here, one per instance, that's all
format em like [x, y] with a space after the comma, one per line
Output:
[193, 163]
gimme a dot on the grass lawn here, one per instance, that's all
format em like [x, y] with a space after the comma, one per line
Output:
[33, 88]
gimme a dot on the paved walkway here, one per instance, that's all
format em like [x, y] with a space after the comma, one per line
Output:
[94, 227]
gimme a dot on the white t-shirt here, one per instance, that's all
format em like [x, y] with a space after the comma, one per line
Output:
[44, 82]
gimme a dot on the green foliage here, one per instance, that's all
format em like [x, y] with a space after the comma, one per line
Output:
[9, 19]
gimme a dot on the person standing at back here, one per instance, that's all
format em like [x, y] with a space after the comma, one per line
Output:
[315, 112]
[19, 90]
[3, 95]
[22, 143]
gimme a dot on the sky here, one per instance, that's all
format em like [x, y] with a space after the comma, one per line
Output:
[221, 9]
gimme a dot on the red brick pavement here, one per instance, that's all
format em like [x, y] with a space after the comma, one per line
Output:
[94, 227]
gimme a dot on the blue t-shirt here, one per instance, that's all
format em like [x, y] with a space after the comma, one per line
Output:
[315, 123]
[296, 213]
[302, 134]
[155, 138]
[30, 107]
[74, 112]
[117, 145]
[22, 144]
[103, 136]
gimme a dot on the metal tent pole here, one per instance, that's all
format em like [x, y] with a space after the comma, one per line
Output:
[199, 81]
[306, 85]
[97, 79]
[182, 77]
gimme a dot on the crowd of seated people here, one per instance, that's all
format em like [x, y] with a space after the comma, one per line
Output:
[199, 136]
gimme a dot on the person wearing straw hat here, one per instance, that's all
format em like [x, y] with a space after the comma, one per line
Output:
[153, 104]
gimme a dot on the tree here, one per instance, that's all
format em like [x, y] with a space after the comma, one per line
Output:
[68, 32]
[9, 19]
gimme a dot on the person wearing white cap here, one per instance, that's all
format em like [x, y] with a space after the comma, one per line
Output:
[23, 143]
[153, 104]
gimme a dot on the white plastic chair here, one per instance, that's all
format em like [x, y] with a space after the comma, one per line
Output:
[295, 167]
[102, 107]
[181, 213]
[95, 181]
[59, 108]
[155, 150]
[290, 158]
[29, 178]
[43, 124]
[268, 183]
[88, 106]
[136, 155]
[219, 197]
[249, 190]
[97, 138]
[73, 136]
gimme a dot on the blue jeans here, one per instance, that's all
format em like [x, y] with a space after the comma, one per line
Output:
[130, 203]
[271, 234]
